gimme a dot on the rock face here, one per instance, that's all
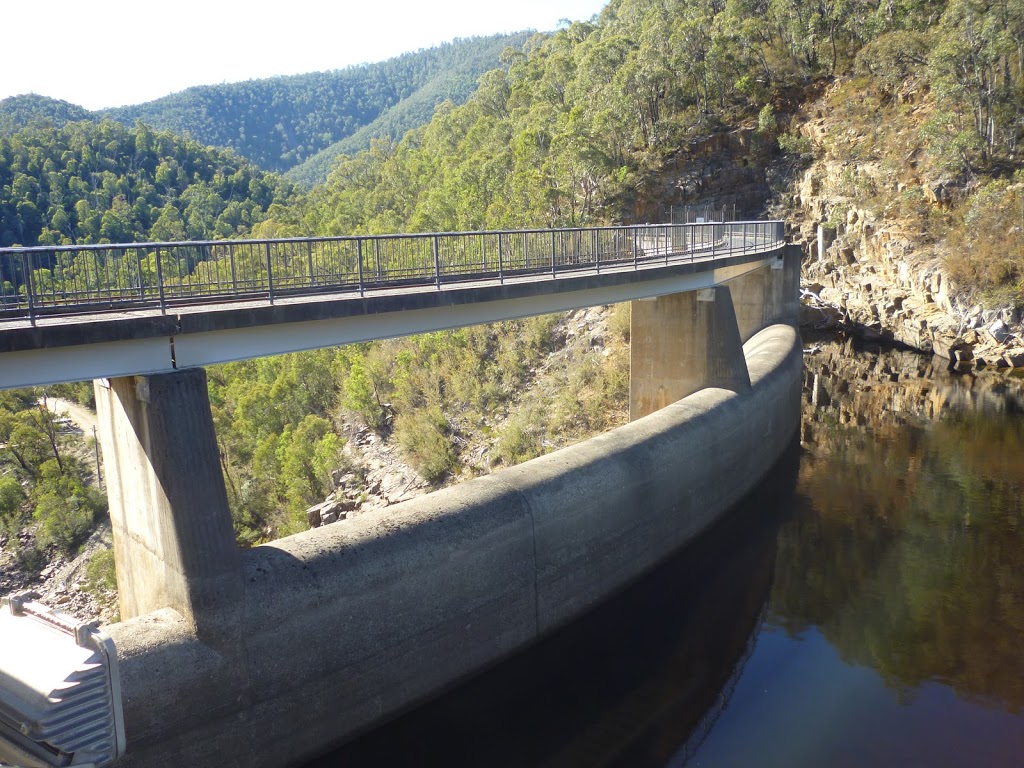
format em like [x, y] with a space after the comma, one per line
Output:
[726, 169]
[63, 583]
[862, 270]
[379, 478]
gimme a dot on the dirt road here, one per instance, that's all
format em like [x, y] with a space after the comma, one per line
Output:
[82, 417]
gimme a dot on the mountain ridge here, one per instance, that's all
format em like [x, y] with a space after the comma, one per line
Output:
[279, 122]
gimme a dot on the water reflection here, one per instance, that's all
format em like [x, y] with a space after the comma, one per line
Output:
[910, 557]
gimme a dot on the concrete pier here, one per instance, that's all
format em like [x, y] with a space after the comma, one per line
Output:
[174, 543]
[682, 343]
[767, 295]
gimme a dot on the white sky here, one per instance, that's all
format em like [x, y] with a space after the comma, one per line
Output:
[105, 53]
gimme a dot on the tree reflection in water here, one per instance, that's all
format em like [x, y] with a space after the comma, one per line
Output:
[909, 556]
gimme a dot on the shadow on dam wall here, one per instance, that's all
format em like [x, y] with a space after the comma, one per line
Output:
[635, 682]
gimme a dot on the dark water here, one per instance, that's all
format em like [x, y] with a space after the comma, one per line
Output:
[863, 608]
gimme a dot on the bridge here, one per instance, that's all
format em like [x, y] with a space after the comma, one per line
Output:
[73, 313]
[256, 658]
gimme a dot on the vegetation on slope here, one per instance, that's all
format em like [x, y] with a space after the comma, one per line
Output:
[42, 480]
[452, 83]
[101, 182]
[505, 392]
[926, 123]
[279, 122]
[573, 131]
[17, 112]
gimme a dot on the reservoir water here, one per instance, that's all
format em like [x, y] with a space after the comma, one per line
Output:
[863, 607]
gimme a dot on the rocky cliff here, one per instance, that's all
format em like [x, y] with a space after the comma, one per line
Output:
[875, 252]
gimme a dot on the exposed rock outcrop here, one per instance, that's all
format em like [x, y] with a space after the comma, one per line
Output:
[878, 274]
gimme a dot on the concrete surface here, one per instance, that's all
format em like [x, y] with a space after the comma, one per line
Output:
[347, 625]
[768, 295]
[174, 543]
[681, 343]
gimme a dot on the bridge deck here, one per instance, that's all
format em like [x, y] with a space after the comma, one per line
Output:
[43, 339]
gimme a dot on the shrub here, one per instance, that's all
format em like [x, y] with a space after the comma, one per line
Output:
[11, 499]
[424, 437]
[619, 321]
[519, 442]
[101, 572]
[792, 143]
[65, 508]
[892, 58]
[986, 244]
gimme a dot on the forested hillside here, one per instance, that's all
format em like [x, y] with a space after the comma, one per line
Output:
[454, 82]
[279, 122]
[101, 182]
[17, 112]
[599, 120]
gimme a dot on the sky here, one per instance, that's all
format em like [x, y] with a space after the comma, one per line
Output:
[107, 53]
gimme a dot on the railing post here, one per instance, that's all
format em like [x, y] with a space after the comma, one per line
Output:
[359, 259]
[309, 260]
[597, 261]
[270, 275]
[526, 251]
[635, 250]
[138, 262]
[552, 254]
[234, 276]
[437, 262]
[27, 259]
[160, 282]
[501, 259]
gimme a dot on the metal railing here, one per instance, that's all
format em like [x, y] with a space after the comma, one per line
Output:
[74, 280]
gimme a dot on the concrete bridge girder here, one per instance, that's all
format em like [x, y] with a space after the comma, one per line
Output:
[144, 345]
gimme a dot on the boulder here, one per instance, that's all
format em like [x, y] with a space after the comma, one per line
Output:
[964, 354]
[998, 331]
[313, 515]
[1014, 357]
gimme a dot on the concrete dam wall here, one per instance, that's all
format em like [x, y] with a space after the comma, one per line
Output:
[342, 627]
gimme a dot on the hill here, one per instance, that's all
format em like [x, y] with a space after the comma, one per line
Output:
[88, 182]
[17, 112]
[454, 84]
[279, 122]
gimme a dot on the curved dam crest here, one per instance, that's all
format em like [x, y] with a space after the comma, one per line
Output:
[344, 626]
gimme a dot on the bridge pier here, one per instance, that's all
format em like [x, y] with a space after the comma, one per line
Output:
[682, 343]
[174, 542]
[768, 295]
